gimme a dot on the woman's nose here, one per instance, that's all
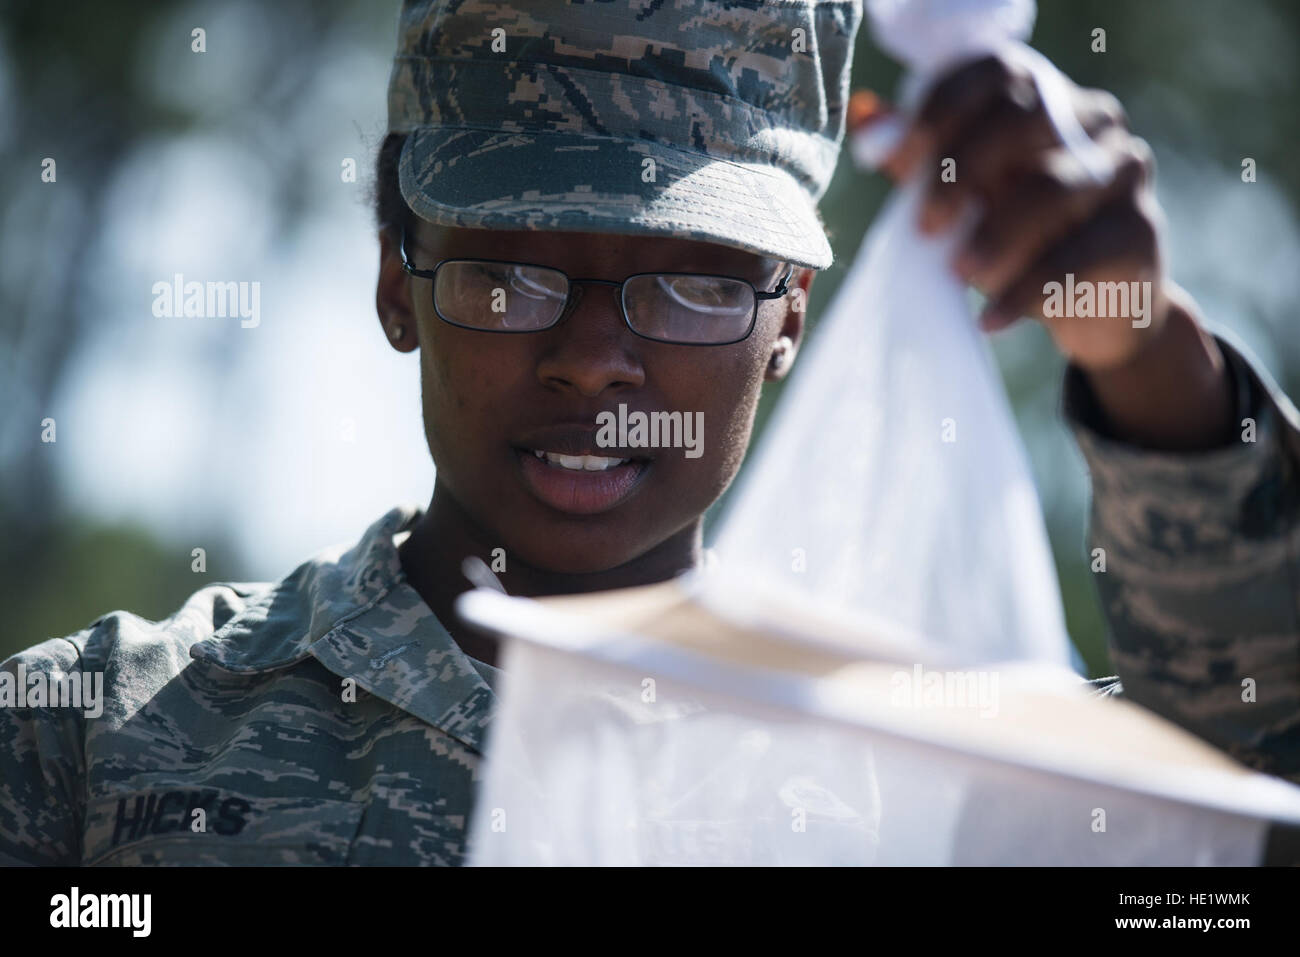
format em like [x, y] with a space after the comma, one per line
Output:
[591, 349]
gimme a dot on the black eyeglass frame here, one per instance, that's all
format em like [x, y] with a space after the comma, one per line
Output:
[781, 290]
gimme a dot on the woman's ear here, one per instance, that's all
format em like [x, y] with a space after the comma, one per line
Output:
[393, 294]
[790, 337]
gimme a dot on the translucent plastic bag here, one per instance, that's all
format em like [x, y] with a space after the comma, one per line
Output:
[891, 477]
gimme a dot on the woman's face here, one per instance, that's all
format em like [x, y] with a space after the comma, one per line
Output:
[492, 402]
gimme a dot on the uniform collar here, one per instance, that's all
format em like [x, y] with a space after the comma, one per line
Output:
[356, 614]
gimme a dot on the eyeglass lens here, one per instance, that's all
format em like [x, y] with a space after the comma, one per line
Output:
[674, 307]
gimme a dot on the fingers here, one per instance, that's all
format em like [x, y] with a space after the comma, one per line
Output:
[1047, 203]
[1010, 138]
[992, 144]
[1117, 243]
[953, 104]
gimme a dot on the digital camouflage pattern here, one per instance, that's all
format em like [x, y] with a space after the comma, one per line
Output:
[1202, 582]
[544, 116]
[235, 705]
[230, 734]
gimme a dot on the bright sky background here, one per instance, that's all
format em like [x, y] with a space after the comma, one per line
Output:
[189, 424]
[186, 423]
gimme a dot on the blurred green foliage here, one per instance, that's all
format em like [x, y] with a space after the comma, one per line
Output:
[84, 568]
[1205, 80]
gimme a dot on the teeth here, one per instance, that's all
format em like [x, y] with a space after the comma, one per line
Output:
[581, 463]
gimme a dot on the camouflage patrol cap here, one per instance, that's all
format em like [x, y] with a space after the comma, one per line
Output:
[715, 120]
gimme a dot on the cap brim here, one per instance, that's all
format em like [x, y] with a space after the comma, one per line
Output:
[580, 182]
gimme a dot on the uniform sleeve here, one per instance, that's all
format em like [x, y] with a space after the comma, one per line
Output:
[42, 762]
[1200, 581]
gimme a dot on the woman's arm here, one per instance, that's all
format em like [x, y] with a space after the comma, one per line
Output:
[1200, 547]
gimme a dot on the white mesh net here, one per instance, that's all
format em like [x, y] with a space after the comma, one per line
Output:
[892, 478]
[611, 748]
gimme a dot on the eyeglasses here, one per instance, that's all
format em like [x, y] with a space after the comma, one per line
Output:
[690, 309]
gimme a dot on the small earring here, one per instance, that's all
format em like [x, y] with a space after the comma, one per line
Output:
[779, 358]
[397, 332]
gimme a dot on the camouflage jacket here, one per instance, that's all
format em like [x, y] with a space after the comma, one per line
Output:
[1201, 589]
[329, 718]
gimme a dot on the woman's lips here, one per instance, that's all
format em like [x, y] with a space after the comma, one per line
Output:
[579, 492]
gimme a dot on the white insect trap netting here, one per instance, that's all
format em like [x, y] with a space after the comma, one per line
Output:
[761, 715]
[891, 477]
[677, 725]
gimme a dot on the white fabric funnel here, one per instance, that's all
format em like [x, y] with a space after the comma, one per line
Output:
[653, 726]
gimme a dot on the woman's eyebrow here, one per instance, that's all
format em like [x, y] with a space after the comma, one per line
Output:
[762, 271]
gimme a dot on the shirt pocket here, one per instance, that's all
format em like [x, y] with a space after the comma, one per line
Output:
[163, 826]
